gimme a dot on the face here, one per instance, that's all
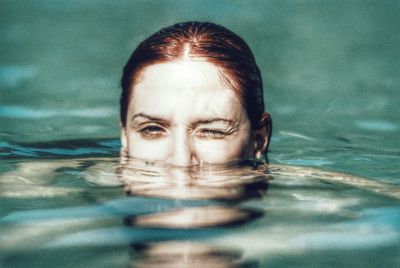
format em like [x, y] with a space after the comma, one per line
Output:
[184, 113]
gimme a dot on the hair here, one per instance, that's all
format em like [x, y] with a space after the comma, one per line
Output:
[199, 40]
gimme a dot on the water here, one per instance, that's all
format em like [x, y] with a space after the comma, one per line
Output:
[86, 211]
[331, 75]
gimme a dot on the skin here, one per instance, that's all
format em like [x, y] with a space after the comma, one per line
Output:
[184, 113]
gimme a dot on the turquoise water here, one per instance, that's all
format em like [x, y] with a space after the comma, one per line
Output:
[331, 76]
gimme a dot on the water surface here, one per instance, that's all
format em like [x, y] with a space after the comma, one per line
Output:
[331, 77]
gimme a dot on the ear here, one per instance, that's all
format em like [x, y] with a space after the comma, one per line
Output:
[262, 136]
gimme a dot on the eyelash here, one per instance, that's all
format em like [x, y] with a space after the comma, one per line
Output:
[152, 131]
[157, 131]
[211, 133]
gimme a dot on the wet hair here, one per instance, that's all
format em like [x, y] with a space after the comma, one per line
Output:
[200, 40]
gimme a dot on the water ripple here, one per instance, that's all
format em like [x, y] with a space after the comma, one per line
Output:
[19, 112]
[12, 76]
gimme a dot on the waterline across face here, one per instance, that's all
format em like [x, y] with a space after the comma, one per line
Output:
[184, 113]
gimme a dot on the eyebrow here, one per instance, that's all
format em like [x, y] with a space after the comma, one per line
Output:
[150, 118]
[212, 120]
[147, 117]
[198, 122]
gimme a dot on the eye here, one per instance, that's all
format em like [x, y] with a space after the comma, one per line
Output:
[152, 132]
[211, 134]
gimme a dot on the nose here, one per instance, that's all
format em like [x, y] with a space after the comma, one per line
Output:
[181, 151]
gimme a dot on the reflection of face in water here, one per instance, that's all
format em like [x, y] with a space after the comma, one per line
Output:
[208, 200]
[222, 186]
[184, 113]
[185, 254]
[234, 182]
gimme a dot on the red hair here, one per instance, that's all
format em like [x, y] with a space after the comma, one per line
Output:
[203, 40]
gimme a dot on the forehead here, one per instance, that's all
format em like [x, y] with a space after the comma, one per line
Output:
[185, 86]
[196, 74]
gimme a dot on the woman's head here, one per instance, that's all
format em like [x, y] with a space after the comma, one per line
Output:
[193, 75]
